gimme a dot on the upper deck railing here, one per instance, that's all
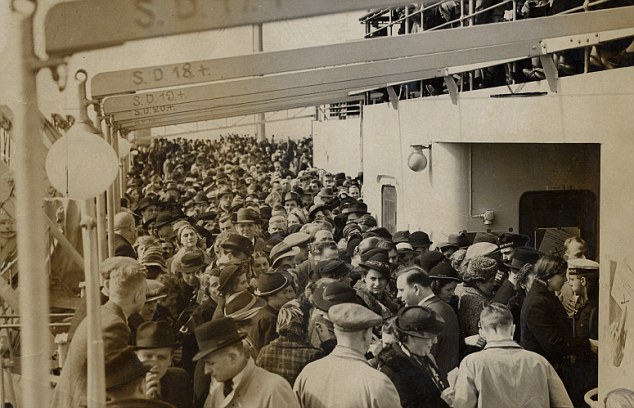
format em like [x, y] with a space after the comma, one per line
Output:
[447, 14]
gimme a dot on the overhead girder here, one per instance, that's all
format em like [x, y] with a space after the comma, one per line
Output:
[200, 116]
[376, 49]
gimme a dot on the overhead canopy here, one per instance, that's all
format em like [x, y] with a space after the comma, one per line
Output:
[381, 62]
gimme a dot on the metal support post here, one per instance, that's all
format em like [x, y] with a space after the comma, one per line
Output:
[110, 205]
[96, 365]
[31, 236]
[258, 46]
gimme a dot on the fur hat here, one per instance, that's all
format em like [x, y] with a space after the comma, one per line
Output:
[480, 268]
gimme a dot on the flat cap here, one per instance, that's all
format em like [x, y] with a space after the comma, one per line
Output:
[350, 317]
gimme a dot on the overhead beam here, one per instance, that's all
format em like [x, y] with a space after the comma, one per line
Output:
[295, 86]
[82, 25]
[377, 49]
[227, 113]
[157, 103]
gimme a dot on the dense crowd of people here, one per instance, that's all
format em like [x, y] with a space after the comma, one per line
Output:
[244, 276]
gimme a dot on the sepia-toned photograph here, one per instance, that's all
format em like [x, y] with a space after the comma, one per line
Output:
[316, 204]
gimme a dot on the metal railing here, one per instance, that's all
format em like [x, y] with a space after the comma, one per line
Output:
[339, 111]
[411, 19]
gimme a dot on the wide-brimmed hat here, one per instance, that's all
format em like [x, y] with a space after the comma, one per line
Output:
[124, 367]
[151, 335]
[523, 256]
[238, 243]
[247, 216]
[444, 271]
[378, 261]
[324, 297]
[270, 283]
[191, 262]
[215, 335]
[419, 239]
[419, 320]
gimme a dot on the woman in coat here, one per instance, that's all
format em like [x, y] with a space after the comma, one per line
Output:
[408, 362]
[545, 326]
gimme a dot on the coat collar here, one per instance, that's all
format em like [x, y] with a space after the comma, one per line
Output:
[348, 353]
[502, 344]
[116, 309]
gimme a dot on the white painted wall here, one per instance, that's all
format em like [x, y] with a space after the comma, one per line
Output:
[337, 145]
[594, 108]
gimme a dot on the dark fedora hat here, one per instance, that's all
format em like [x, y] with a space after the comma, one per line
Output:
[292, 196]
[378, 261]
[333, 268]
[400, 236]
[215, 335]
[429, 259]
[270, 283]
[326, 192]
[144, 203]
[444, 271]
[151, 335]
[124, 367]
[523, 256]
[228, 274]
[246, 216]
[238, 243]
[163, 218]
[317, 208]
[419, 320]
[419, 239]
[324, 297]
[356, 207]
[460, 239]
[191, 262]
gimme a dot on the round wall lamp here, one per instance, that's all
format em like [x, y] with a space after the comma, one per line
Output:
[417, 160]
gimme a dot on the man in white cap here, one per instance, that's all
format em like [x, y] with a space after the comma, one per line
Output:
[344, 378]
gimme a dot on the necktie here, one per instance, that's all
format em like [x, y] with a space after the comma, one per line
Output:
[228, 387]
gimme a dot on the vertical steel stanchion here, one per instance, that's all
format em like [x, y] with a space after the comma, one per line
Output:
[114, 141]
[102, 228]
[31, 232]
[110, 205]
[258, 46]
[96, 364]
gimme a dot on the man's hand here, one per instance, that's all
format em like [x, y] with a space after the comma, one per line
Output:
[151, 385]
[448, 395]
